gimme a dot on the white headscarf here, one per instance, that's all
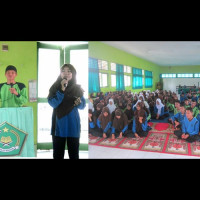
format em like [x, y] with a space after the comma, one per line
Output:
[91, 106]
[111, 107]
[159, 107]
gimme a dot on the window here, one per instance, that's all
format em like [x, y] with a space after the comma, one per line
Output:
[148, 79]
[185, 75]
[137, 79]
[103, 64]
[127, 69]
[196, 75]
[113, 67]
[103, 78]
[168, 75]
[113, 80]
[127, 80]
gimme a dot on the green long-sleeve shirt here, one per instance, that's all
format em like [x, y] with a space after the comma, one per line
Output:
[11, 100]
[195, 111]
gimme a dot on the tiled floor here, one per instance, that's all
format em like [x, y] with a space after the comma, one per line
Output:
[48, 154]
[97, 152]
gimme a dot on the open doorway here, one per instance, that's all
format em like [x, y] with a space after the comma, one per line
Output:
[51, 56]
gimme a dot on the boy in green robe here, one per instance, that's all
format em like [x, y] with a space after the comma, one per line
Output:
[12, 93]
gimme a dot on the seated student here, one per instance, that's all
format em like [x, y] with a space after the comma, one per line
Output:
[140, 125]
[194, 108]
[177, 124]
[93, 128]
[186, 102]
[104, 122]
[111, 106]
[121, 104]
[190, 128]
[170, 104]
[180, 115]
[198, 118]
[159, 110]
[97, 111]
[194, 97]
[182, 97]
[177, 107]
[120, 124]
[151, 105]
[129, 113]
[198, 103]
[147, 112]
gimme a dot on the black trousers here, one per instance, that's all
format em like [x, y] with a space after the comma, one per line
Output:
[190, 139]
[59, 147]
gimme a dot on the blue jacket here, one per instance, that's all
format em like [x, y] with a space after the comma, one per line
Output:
[69, 125]
[107, 127]
[198, 118]
[144, 126]
[179, 116]
[191, 127]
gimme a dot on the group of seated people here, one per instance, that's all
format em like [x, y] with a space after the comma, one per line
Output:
[123, 113]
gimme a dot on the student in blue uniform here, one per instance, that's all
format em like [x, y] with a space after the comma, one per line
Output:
[66, 97]
[180, 115]
[120, 124]
[198, 118]
[92, 124]
[140, 125]
[190, 128]
[104, 123]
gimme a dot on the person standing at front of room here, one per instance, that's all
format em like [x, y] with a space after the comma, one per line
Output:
[12, 93]
[66, 97]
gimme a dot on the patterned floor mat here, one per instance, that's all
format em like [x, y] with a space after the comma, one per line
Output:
[160, 139]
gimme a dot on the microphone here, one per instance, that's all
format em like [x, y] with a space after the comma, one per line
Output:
[11, 85]
[65, 85]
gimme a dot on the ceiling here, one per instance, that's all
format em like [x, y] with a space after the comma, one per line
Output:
[163, 53]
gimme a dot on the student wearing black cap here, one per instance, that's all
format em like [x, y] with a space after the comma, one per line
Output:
[12, 93]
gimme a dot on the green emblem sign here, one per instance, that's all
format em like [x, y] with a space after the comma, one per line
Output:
[11, 140]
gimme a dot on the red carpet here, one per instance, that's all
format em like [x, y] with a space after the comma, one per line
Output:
[160, 139]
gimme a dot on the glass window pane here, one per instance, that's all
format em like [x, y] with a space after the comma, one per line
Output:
[104, 65]
[79, 59]
[48, 70]
[128, 69]
[104, 80]
[113, 66]
[113, 80]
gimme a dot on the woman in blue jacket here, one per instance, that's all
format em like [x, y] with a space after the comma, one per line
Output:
[66, 97]
[140, 126]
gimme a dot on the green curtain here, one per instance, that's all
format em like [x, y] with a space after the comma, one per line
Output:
[148, 79]
[137, 78]
[93, 76]
[119, 77]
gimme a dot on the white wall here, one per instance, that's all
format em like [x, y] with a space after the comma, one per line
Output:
[171, 83]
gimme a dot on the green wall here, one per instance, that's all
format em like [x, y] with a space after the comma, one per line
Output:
[23, 55]
[180, 69]
[105, 52]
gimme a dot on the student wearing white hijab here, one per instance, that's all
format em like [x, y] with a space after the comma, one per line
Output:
[159, 106]
[159, 110]
[111, 106]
